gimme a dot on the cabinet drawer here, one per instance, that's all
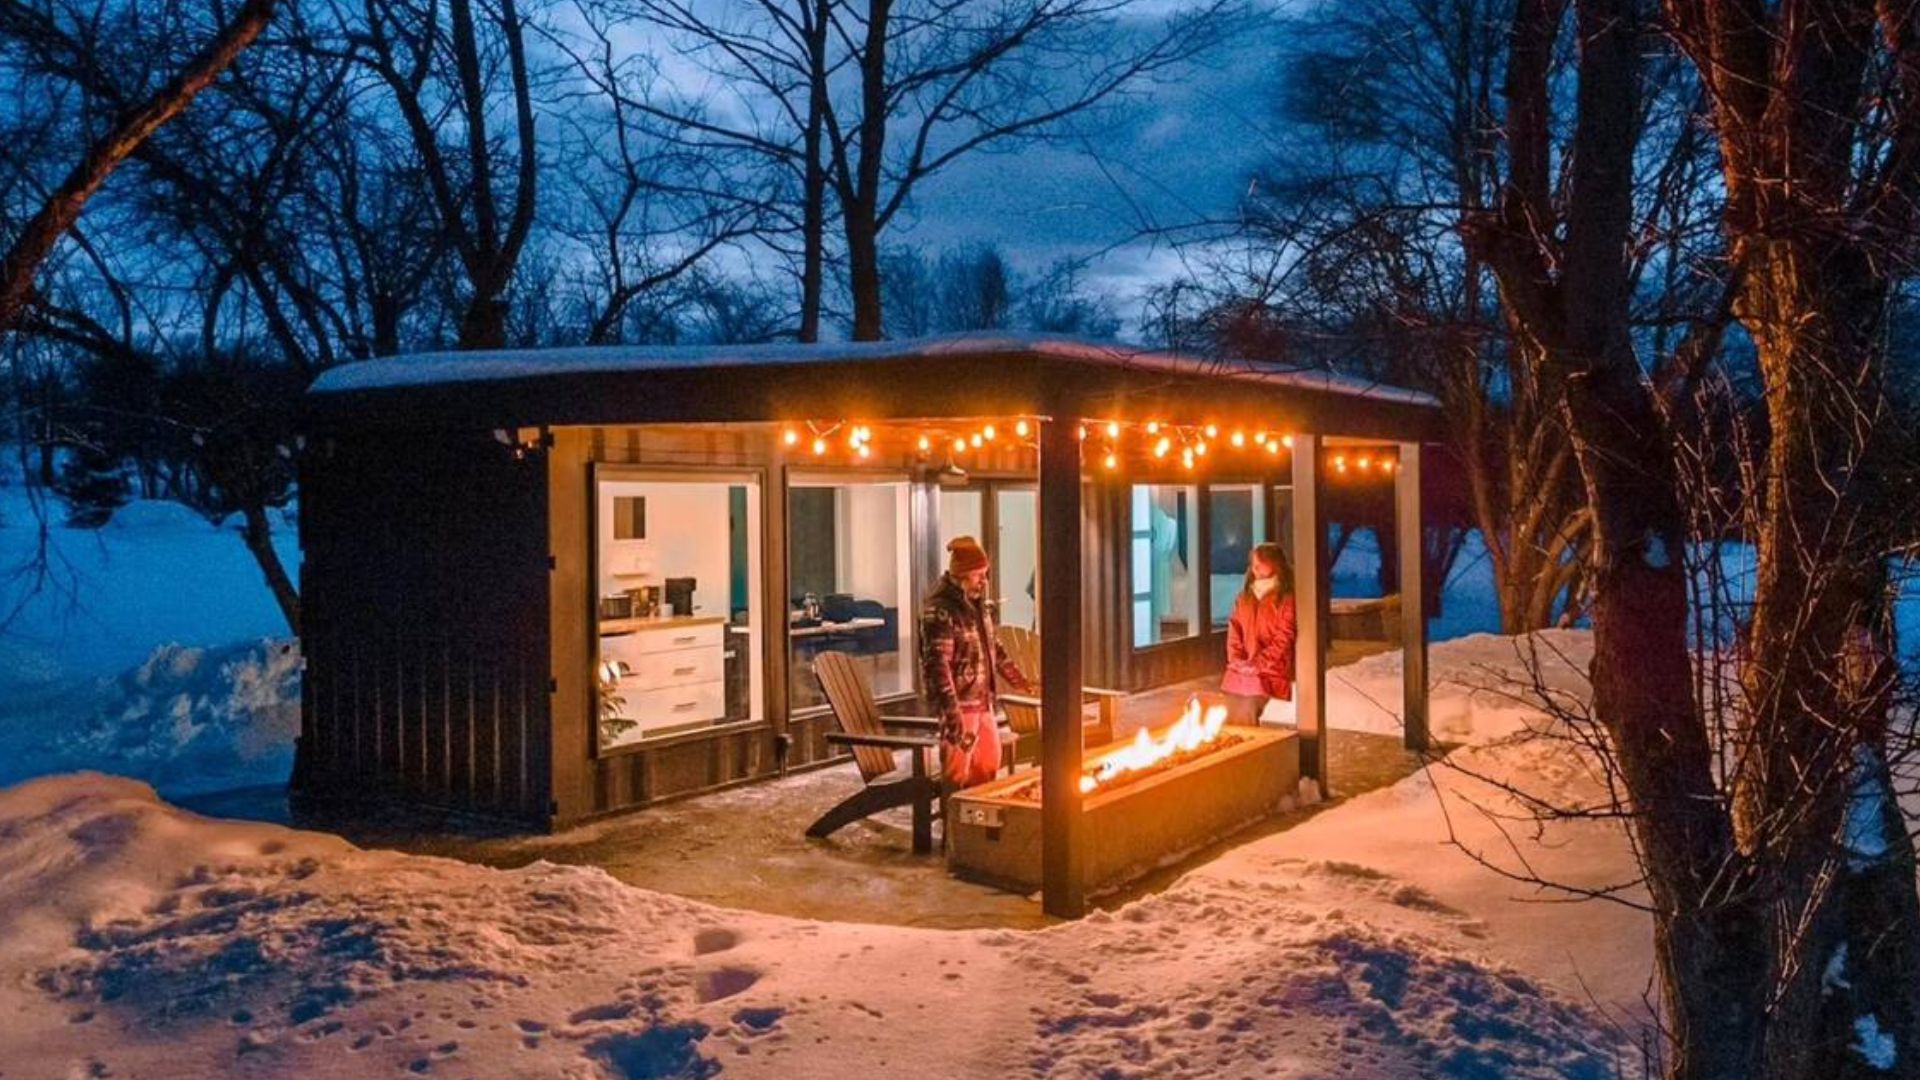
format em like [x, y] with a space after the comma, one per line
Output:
[653, 671]
[674, 705]
[656, 639]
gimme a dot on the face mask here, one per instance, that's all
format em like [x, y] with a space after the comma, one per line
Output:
[1263, 587]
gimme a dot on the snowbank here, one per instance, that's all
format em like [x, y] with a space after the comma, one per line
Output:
[1481, 687]
[186, 721]
[141, 940]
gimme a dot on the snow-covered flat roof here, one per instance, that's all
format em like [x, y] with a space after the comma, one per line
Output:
[445, 368]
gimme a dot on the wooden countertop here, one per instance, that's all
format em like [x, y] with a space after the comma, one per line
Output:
[670, 622]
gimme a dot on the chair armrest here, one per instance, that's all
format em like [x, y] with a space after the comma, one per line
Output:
[1027, 700]
[1102, 692]
[885, 742]
[917, 723]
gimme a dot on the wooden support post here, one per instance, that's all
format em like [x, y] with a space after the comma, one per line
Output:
[1311, 609]
[1413, 596]
[1061, 823]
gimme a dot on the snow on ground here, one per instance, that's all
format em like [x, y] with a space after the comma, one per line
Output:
[146, 941]
[156, 574]
[186, 721]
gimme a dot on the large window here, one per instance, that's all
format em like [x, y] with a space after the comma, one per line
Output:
[1164, 563]
[680, 627]
[1237, 516]
[849, 565]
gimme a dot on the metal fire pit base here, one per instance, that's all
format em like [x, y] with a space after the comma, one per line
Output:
[1133, 829]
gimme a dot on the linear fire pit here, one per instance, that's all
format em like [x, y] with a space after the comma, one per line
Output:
[1195, 797]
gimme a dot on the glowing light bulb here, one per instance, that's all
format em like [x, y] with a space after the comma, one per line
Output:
[987, 431]
[976, 440]
[1160, 448]
[1021, 427]
[1212, 431]
[1113, 460]
[865, 450]
[1260, 438]
[1286, 441]
[791, 437]
[1365, 462]
[924, 444]
[1153, 427]
[1239, 440]
[1273, 448]
[819, 446]
[959, 444]
[1200, 450]
[1113, 429]
[1186, 458]
[1083, 431]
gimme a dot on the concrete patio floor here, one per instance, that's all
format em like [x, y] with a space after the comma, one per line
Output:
[746, 847]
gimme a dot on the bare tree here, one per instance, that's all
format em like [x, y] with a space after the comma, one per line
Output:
[41, 27]
[1781, 879]
[462, 64]
[864, 99]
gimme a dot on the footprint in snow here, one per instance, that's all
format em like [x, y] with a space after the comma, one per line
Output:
[758, 1021]
[723, 983]
[714, 939]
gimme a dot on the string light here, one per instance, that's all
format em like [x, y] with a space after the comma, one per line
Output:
[988, 432]
[1160, 448]
[1113, 429]
[1021, 427]
[1286, 441]
[864, 450]
[1273, 448]
[791, 437]
[959, 446]
[977, 441]
[1200, 449]
[1238, 440]
[1153, 427]
[1113, 461]
[1212, 431]
[819, 446]
[1260, 438]
[925, 444]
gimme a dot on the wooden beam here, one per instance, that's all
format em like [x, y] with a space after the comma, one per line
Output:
[1311, 608]
[1061, 854]
[1413, 596]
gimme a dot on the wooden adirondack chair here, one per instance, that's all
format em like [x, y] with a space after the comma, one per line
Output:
[1023, 710]
[887, 783]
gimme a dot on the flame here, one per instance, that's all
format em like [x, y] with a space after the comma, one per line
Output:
[1195, 728]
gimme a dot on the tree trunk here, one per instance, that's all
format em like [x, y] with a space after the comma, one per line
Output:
[863, 265]
[258, 534]
[813, 193]
[1813, 754]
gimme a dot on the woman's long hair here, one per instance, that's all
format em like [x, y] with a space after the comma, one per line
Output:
[1275, 556]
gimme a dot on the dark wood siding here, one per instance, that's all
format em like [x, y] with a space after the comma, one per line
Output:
[425, 583]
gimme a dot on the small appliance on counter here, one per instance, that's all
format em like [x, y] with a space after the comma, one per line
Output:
[680, 595]
[616, 606]
[646, 601]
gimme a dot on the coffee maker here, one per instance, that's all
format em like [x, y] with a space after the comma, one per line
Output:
[680, 595]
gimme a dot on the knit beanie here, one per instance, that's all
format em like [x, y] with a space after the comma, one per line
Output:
[965, 555]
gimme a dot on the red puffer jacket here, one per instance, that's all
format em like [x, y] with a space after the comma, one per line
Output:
[1260, 634]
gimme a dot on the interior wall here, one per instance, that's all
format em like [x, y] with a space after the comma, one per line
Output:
[687, 536]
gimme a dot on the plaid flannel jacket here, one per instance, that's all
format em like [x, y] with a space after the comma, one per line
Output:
[958, 657]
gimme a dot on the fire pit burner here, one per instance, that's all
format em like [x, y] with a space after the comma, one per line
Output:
[1146, 804]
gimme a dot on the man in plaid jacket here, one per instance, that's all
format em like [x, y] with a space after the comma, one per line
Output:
[958, 658]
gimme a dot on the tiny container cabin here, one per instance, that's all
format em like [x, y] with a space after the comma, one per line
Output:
[553, 585]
